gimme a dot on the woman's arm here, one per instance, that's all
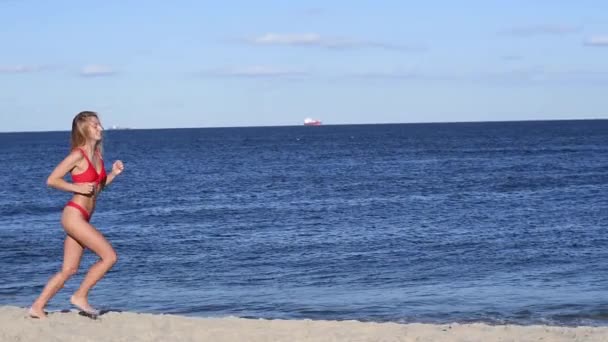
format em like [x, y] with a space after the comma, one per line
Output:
[109, 180]
[117, 168]
[56, 180]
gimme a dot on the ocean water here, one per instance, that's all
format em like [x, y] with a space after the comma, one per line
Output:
[503, 222]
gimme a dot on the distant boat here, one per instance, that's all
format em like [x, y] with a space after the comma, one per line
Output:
[114, 127]
[312, 122]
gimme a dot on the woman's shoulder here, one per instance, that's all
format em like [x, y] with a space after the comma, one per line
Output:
[76, 154]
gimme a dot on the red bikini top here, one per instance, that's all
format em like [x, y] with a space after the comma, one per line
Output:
[90, 174]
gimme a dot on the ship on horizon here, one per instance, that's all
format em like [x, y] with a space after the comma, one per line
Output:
[115, 127]
[312, 122]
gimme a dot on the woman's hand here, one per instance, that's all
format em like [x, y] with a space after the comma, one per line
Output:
[117, 168]
[85, 188]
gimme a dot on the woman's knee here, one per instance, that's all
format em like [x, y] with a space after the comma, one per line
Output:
[68, 272]
[110, 258]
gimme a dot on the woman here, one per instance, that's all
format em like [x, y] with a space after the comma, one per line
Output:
[88, 179]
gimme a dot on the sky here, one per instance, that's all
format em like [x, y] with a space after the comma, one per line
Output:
[166, 64]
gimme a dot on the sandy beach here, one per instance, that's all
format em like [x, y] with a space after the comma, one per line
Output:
[127, 326]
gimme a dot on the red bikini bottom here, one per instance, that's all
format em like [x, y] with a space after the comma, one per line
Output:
[83, 211]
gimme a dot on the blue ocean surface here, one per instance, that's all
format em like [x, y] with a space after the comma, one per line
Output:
[498, 222]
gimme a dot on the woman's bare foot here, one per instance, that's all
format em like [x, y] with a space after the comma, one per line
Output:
[37, 313]
[83, 304]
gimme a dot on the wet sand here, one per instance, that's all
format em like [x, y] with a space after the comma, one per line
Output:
[15, 325]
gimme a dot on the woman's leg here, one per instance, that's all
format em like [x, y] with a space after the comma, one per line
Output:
[72, 253]
[91, 238]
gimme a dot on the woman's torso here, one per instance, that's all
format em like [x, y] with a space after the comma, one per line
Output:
[91, 174]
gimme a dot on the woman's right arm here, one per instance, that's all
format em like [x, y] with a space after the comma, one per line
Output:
[56, 180]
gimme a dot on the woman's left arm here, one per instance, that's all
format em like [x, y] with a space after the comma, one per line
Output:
[117, 168]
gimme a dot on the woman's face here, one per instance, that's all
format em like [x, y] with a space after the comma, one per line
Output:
[94, 128]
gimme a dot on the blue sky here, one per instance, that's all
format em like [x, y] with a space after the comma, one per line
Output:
[151, 64]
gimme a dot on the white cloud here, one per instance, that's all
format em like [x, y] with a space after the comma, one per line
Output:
[315, 39]
[256, 71]
[390, 75]
[21, 69]
[93, 70]
[511, 57]
[600, 40]
[287, 39]
[541, 30]
[314, 11]
[533, 75]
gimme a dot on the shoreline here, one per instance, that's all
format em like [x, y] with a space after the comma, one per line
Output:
[15, 325]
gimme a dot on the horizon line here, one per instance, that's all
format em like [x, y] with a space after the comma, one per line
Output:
[337, 124]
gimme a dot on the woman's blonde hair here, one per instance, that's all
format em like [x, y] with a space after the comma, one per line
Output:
[79, 130]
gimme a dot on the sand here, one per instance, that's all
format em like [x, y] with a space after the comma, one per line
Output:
[133, 327]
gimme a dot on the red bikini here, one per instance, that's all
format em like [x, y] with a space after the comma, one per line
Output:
[88, 176]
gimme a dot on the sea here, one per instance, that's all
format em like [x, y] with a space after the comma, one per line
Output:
[495, 222]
